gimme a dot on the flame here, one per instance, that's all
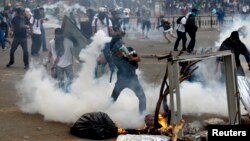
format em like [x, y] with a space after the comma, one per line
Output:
[121, 131]
[162, 121]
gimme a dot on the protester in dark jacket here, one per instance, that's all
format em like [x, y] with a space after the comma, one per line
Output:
[19, 27]
[191, 28]
[238, 48]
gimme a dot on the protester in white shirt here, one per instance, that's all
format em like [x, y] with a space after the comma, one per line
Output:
[36, 36]
[60, 51]
[181, 34]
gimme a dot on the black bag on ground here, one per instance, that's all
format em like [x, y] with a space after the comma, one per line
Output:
[96, 125]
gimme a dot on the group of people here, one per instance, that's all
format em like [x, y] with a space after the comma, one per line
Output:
[29, 23]
[23, 24]
[121, 59]
[187, 25]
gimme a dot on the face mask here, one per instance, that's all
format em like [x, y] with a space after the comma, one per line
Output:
[101, 16]
[195, 13]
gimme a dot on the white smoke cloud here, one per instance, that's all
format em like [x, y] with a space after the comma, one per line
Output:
[238, 22]
[65, 8]
[54, 21]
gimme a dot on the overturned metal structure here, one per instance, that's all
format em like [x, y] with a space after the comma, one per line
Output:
[72, 32]
[231, 85]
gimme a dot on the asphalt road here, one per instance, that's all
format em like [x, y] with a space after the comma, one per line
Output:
[18, 126]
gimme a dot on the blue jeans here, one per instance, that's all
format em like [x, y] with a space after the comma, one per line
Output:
[60, 77]
[43, 39]
[36, 44]
[133, 84]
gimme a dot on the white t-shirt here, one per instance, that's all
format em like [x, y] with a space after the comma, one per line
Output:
[36, 26]
[181, 27]
[67, 58]
[101, 26]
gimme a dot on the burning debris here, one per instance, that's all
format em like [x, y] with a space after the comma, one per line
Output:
[101, 126]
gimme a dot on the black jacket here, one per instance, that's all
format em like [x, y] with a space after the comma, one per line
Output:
[238, 48]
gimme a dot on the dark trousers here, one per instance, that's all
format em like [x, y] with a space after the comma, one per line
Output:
[2, 38]
[43, 39]
[16, 42]
[36, 44]
[180, 36]
[133, 84]
[191, 44]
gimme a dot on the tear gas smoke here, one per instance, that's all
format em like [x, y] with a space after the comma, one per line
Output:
[65, 8]
[237, 23]
[55, 12]
[39, 93]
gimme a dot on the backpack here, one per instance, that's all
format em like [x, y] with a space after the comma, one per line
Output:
[178, 21]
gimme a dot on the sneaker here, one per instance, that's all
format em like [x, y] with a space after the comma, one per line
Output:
[9, 64]
[26, 67]
[189, 50]
[175, 49]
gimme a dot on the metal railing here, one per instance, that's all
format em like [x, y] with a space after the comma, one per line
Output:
[203, 22]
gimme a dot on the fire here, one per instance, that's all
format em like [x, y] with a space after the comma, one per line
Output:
[149, 126]
[121, 131]
[162, 121]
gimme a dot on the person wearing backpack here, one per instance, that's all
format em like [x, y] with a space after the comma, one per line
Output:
[103, 22]
[191, 29]
[181, 33]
